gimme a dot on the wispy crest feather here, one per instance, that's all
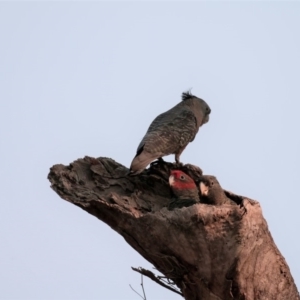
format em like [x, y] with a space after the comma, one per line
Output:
[187, 95]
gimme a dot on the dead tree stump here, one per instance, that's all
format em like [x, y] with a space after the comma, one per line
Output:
[207, 252]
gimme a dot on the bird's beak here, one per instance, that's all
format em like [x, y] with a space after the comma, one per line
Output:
[203, 189]
[206, 119]
[171, 180]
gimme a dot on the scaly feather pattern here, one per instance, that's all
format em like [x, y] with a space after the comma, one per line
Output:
[171, 131]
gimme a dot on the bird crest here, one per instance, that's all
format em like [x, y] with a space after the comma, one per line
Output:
[187, 95]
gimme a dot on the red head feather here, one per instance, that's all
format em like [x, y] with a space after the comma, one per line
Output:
[180, 181]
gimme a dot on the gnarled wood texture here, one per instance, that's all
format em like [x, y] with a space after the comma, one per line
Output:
[209, 252]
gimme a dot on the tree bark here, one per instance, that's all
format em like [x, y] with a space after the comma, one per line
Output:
[208, 252]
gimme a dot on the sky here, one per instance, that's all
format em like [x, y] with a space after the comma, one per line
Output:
[87, 78]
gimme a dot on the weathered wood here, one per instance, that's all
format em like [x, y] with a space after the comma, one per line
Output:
[209, 252]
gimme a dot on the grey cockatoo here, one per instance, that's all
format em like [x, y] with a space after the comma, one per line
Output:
[184, 189]
[171, 131]
[211, 191]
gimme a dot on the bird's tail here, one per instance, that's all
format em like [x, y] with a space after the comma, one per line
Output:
[141, 161]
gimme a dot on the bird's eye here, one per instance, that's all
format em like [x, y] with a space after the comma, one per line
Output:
[182, 177]
[212, 183]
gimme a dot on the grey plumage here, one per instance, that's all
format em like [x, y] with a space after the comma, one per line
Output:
[171, 131]
[211, 191]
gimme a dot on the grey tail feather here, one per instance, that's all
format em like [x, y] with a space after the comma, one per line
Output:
[141, 161]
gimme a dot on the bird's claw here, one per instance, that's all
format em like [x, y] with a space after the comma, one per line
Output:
[178, 164]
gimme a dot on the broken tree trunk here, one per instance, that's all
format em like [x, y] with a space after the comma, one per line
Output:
[208, 252]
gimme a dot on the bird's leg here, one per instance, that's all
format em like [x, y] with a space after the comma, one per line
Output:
[177, 163]
[177, 156]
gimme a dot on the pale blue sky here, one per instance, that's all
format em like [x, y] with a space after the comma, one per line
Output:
[87, 78]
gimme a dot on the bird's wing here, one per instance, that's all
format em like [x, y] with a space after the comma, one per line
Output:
[169, 132]
[160, 119]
